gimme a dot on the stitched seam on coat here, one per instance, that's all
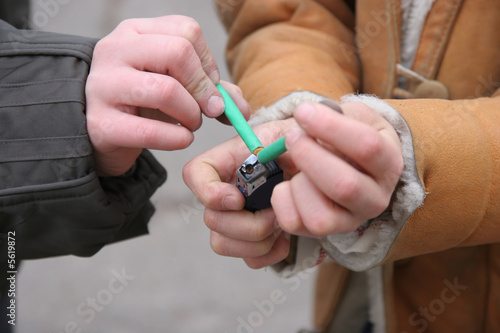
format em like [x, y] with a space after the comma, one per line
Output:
[40, 83]
[43, 139]
[40, 189]
[390, 7]
[7, 157]
[50, 46]
[433, 62]
[43, 103]
[61, 198]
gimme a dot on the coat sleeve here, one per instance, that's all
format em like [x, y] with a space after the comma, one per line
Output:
[449, 195]
[279, 47]
[51, 199]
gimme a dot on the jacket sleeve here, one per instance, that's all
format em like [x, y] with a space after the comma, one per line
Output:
[279, 47]
[51, 199]
[449, 195]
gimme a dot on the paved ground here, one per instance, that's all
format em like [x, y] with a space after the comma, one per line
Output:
[169, 281]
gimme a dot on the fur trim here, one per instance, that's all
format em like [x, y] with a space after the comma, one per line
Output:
[284, 107]
[414, 16]
[369, 244]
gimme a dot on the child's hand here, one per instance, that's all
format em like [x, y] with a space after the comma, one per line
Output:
[349, 167]
[255, 237]
[149, 83]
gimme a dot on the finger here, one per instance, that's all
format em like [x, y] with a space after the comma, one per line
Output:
[237, 96]
[155, 91]
[121, 129]
[361, 142]
[321, 217]
[337, 179]
[229, 247]
[242, 225]
[278, 253]
[286, 212]
[156, 115]
[211, 176]
[213, 193]
[185, 27]
[176, 57]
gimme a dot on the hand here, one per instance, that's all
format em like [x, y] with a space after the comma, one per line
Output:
[149, 83]
[255, 237]
[349, 167]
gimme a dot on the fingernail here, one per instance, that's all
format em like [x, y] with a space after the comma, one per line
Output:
[215, 106]
[292, 135]
[304, 112]
[334, 105]
[230, 203]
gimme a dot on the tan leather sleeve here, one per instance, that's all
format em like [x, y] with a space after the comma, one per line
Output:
[277, 47]
[457, 154]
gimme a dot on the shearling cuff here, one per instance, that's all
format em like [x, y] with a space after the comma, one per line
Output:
[284, 108]
[367, 246]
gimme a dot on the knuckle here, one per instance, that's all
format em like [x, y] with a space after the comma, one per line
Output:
[184, 51]
[146, 133]
[217, 244]
[291, 223]
[191, 29]
[100, 45]
[378, 206]
[266, 246]
[372, 146]
[210, 220]
[188, 171]
[198, 85]
[258, 232]
[254, 264]
[211, 196]
[397, 170]
[168, 92]
[324, 222]
[127, 24]
[348, 189]
[320, 224]
[331, 224]
[104, 46]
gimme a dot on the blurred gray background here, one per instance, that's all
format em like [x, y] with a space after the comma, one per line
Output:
[171, 281]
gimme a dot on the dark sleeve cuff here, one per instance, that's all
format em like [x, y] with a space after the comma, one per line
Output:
[132, 191]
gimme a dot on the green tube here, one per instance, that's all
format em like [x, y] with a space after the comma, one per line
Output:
[239, 122]
[272, 151]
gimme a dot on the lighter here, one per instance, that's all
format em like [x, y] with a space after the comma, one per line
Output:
[256, 181]
[257, 176]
